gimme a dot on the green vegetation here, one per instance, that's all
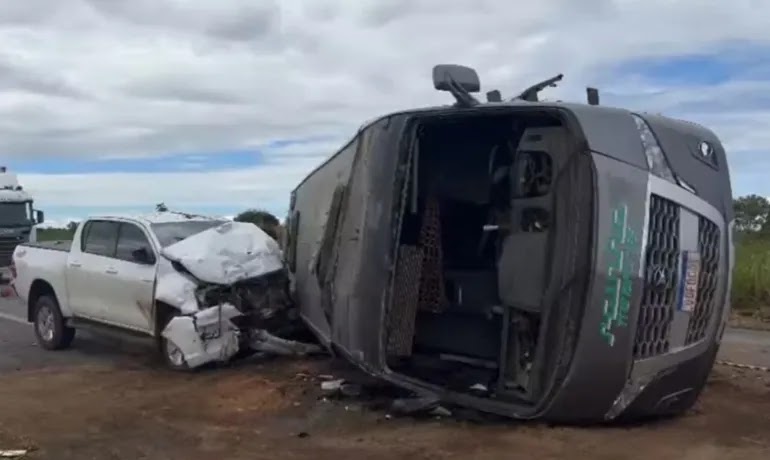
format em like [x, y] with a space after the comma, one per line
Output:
[751, 277]
[54, 234]
[262, 219]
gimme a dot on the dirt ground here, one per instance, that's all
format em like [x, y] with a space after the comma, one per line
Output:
[275, 410]
[757, 318]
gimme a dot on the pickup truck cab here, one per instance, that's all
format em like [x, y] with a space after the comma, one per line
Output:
[165, 275]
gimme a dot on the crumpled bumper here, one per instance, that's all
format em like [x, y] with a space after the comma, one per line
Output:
[211, 335]
[205, 336]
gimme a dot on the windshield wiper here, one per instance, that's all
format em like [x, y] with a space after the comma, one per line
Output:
[530, 94]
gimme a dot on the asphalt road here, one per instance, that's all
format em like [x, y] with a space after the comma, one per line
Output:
[18, 349]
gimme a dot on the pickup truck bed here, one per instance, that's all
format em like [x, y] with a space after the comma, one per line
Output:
[60, 245]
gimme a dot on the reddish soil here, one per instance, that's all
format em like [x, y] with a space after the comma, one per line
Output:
[272, 411]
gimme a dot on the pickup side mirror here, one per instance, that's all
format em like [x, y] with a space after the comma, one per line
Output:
[39, 217]
[143, 256]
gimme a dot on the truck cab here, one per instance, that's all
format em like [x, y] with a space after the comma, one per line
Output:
[18, 218]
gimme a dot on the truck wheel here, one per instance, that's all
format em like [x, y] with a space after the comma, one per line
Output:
[50, 329]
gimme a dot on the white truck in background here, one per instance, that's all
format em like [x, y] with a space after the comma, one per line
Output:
[17, 219]
[204, 289]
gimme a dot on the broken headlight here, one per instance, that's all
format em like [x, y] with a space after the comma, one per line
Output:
[656, 159]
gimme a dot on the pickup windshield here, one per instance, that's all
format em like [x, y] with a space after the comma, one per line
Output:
[169, 233]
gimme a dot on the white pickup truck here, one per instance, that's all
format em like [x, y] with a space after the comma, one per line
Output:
[204, 288]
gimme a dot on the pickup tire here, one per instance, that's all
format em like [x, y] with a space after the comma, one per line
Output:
[50, 328]
[170, 354]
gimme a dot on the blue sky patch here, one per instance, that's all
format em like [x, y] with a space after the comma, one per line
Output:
[738, 60]
[165, 163]
[179, 162]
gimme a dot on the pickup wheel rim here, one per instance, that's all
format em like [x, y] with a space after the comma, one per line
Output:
[45, 323]
[174, 354]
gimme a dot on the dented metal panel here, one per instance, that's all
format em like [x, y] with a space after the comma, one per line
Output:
[228, 289]
[309, 216]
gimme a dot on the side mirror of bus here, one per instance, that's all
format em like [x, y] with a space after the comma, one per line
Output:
[39, 217]
[445, 75]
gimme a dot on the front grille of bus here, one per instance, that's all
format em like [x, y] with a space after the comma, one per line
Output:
[705, 306]
[662, 275]
[662, 254]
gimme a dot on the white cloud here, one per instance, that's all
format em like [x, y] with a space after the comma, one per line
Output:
[117, 78]
[255, 186]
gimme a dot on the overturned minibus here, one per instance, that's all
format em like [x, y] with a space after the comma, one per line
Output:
[531, 259]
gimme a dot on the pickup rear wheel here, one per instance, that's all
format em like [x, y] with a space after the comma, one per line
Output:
[50, 329]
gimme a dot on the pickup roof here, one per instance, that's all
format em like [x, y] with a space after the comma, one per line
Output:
[203, 288]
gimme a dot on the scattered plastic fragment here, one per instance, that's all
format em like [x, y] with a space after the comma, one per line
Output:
[13, 453]
[332, 386]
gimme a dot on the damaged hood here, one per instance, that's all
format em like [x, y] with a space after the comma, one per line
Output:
[226, 254]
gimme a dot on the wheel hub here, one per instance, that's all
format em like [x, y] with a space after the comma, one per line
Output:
[45, 323]
[174, 353]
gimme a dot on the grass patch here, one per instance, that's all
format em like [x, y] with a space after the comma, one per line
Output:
[53, 234]
[751, 276]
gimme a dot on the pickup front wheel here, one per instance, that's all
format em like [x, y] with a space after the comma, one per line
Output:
[172, 355]
[50, 329]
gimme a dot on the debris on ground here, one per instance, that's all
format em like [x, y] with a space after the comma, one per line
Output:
[340, 387]
[350, 390]
[330, 387]
[414, 406]
[18, 453]
[112, 398]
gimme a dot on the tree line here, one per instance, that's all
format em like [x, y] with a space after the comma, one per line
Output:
[752, 215]
[263, 219]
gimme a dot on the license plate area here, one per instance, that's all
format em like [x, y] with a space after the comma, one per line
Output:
[688, 289]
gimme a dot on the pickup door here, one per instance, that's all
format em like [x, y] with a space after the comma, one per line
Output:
[106, 279]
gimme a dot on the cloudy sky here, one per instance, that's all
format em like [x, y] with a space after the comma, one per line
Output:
[216, 106]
